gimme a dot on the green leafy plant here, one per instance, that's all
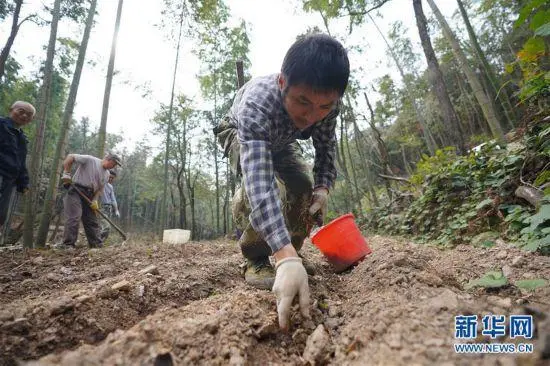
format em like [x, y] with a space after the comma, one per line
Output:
[536, 80]
[531, 284]
[462, 197]
[491, 279]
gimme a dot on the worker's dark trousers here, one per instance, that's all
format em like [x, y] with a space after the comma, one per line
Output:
[76, 208]
[6, 189]
[295, 189]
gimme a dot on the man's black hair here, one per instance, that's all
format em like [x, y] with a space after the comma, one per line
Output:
[319, 61]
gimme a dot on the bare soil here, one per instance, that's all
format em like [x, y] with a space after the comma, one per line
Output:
[144, 303]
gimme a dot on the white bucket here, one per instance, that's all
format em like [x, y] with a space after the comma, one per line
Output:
[176, 236]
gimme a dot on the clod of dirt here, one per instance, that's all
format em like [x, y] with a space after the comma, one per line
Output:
[18, 326]
[121, 286]
[333, 323]
[6, 316]
[518, 261]
[83, 299]
[505, 303]
[429, 279]
[446, 300]
[317, 346]
[267, 330]
[62, 305]
[507, 271]
[66, 271]
[152, 269]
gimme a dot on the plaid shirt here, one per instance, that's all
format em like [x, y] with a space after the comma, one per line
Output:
[264, 128]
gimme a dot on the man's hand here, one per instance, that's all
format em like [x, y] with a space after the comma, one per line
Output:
[94, 206]
[290, 280]
[117, 214]
[319, 201]
[66, 179]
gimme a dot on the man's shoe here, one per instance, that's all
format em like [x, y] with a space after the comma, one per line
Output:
[63, 247]
[260, 274]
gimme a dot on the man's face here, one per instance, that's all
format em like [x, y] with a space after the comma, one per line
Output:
[21, 114]
[306, 106]
[108, 164]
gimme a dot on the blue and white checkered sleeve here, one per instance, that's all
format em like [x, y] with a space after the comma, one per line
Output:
[266, 214]
[324, 142]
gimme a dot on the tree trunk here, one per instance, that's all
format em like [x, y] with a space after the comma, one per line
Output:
[109, 81]
[183, 203]
[406, 163]
[215, 147]
[226, 209]
[426, 133]
[453, 127]
[217, 170]
[168, 132]
[11, 38]
[31, 200]
[64, 132]
[498, 89]
[358, 194]
[482, 99]
[341, 157]
[383, 151]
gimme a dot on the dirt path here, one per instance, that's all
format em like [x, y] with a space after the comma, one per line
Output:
[145, 304]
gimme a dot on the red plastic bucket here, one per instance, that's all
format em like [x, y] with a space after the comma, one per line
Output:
[341, 242]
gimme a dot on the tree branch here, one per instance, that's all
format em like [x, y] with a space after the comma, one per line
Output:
[361, 13]
[29, 17]
[405, 180]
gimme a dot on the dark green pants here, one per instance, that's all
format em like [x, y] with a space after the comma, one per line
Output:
[295, 188]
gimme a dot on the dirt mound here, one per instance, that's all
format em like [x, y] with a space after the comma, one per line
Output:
[153, 304]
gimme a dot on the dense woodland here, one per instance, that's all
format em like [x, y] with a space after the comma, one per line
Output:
[408, 156]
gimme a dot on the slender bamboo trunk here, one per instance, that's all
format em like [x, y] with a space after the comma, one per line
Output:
[62, 142]
[453, 128]
[109, 81]
[426, 132]
[497, 89]
[162, 221]
[31, 200]
[353, 168]
[383, 151]
[11, 38]
[483, 100]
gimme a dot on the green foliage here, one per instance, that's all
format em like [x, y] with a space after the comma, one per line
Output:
[15, 87]
[76, 10]
[531, 284]
[491, 279]
[433, 164]
[462, 196]
[534, 54]
[496, 279]
[6, 7]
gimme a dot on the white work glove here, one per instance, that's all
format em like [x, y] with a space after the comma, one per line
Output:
[290, 280]
[319, 201]
[117, 214]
